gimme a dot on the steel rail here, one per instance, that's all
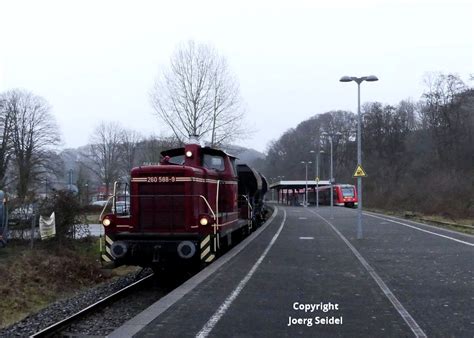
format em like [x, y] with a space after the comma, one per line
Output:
[54, 328]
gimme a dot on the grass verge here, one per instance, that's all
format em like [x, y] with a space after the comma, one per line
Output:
[459, 225]
[33, 278]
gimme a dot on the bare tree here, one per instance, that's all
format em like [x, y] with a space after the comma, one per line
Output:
[198, 96]
[443, 114]
[33, 132]
[105, 153]
[227, 112]
[129, 149]
[152, 147]
[5, 131]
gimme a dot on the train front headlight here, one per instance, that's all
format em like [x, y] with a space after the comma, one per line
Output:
[106, 222]
[205, 220]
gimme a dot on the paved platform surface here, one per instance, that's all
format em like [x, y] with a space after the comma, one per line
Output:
[402, 279]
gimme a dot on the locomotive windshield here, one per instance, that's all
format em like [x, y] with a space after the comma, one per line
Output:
[179, 159]
[214, 162]
[348, 192]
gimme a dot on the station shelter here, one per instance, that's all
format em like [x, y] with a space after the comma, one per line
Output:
[293, 192]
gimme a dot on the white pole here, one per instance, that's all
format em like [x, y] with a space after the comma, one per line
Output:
[359, 162]
[331, 179]
[317, 182]
[306, 187]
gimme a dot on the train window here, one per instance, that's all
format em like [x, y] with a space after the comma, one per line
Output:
[234, 167]
[177, 159]
[347, 192]
[213, 162]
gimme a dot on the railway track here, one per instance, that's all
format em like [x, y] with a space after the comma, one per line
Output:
[60, 328]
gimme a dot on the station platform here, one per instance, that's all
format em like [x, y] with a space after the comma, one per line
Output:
[305, 274]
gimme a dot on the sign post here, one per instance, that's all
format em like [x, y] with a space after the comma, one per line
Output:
[359, 173]
[317, 191]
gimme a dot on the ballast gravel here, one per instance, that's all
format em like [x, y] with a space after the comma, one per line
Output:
[99, 324]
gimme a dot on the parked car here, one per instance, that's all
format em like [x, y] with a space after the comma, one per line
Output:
[99, 203]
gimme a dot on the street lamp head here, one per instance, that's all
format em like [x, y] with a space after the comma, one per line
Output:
[324, 133]
[371, 78]
[338, 133]
[303, 162]
[312, 151]
[345, 79]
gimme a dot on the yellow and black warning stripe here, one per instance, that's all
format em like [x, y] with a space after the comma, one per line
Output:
[208, 251]
[106, 254]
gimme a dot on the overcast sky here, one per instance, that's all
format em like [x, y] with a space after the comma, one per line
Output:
[97, 60]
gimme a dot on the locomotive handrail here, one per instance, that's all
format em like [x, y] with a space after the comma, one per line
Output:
[216, 226]
[209, 206]
[248, 202]
[114, 205]
[217, 205]
[105, 206]
[250, 213]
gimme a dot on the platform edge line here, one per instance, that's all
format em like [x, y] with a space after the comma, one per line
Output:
[207, 328]
[419, 229]
[412, 324]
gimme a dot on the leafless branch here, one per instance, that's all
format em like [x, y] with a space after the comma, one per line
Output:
[198, 96]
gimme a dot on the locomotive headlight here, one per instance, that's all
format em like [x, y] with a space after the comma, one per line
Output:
[106, 222]
[205, 220]
[189, 153]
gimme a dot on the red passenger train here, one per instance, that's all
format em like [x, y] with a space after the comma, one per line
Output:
[343, 195]
[183, 210]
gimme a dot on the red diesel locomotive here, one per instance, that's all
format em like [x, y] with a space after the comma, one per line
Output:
[183, 210]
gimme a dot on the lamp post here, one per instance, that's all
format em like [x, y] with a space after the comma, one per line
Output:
[359, 80]
[316, 171]
[87, 192]
[70, 179]
[330, 137]
[306, 186]
[46, 188]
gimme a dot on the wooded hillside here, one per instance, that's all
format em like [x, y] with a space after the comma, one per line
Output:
[419, 155]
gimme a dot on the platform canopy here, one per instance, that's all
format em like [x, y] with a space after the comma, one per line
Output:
[296, 184]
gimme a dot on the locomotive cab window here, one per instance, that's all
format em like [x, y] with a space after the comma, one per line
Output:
[214, 162]
[177, 160]
[234, 166]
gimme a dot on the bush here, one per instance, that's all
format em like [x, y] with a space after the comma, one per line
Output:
[70, 217]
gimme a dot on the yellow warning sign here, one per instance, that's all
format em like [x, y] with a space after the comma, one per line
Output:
[359, 172]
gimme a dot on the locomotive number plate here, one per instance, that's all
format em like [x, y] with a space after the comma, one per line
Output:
[161, 179]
